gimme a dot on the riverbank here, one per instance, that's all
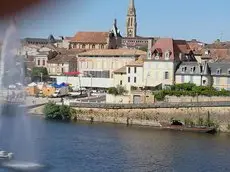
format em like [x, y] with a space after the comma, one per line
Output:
[153, 117]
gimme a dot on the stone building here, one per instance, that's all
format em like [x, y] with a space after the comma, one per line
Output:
[97, 40]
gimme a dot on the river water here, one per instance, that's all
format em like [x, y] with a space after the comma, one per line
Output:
[81, 147]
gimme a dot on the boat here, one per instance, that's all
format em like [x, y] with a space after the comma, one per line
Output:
[179, 126]
[5, 155]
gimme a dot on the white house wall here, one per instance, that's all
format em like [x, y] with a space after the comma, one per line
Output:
[154, 73]
[85, 81]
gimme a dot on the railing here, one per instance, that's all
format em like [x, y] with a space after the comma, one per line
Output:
[148, 106]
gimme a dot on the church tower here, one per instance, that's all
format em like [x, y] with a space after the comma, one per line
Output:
[131, 22]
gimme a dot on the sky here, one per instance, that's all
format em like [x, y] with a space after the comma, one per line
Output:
[204, 20]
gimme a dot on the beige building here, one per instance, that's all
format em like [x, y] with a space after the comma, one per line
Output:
[61, 64]
[97, 40]
[102, 63]
[163, 60]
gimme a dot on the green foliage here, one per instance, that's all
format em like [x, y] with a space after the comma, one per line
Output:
[119, 90]
[38, 70]
[188, 89]
[189, 122]
[57, 112]
[200, 122]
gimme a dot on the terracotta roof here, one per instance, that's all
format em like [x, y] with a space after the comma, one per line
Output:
[113, 52]
[181, 46]
[122, 70]
[62, 59]
[164, 44]
[91, 37]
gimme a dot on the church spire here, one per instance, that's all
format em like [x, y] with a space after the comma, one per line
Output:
[131, 24]
[131, 4]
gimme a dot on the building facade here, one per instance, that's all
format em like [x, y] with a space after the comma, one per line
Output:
[163, 60]
[62, 64]
[97, 40]
[194, 72]
[102, 63]
[220, 73]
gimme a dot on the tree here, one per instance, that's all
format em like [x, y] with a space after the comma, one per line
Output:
[119, 90]
[38, 71]
[57, 112]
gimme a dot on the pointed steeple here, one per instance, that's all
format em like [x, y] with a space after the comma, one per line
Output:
[131, 4]
[131, 21]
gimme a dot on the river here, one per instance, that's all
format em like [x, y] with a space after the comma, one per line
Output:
[82, 147]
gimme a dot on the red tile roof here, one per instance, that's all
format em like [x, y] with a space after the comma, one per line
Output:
[91, 37]
[164, 44]
[175, 47]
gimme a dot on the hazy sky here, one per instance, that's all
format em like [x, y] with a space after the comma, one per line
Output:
[181, 19]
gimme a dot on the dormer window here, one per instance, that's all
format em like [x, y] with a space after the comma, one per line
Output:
[218, 71]
[192, 69]
[167, 55]
[184, 69]
[207, 52]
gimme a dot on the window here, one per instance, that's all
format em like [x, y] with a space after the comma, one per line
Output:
[218, 71]
[62, 70]
[192, 69]
[135, 79]
[128, 79]
[120, 82]
[228, 71]
[166, 75]
[129, 70]
[167, 54]
[184, 69]
[135, 69]
[204, 82]
[62, 64]
[93, 46]
[38, 62]
[102, 46]
[83, 45]
[43, 62]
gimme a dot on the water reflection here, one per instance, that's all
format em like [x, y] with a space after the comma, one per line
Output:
[104, 147]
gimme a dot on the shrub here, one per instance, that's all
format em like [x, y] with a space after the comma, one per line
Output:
[119, 90]
[57, 112]
[188, 89]
[200, 121]
[160, 96]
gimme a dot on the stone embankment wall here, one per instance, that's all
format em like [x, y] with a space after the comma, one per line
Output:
[155, 116]
[197, 99]
[151, 115]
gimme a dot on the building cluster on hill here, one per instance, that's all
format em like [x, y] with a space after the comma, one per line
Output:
[108, 59]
